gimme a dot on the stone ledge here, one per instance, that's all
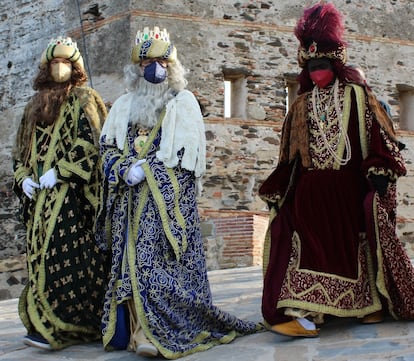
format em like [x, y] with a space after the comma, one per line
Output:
[13, 276]
[11, 264]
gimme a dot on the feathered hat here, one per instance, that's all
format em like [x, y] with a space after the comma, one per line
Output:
[320, 32]
[153, 44]
[62, 47]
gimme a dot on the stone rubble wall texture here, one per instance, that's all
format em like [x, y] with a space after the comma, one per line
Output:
[213, 38]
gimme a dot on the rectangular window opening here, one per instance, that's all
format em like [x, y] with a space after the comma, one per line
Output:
[227, 99]
[235, 96]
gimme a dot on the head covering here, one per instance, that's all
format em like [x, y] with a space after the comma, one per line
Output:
[62, 48]
[320, 32]
[153, 44]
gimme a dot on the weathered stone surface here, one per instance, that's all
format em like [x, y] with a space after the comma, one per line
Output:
[13, 264]
[254, 39]
[13, 276]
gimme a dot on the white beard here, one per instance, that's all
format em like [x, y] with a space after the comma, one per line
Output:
[148, 100]
[141, 106]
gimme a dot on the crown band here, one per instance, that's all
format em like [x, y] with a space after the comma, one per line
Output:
[153, 44]
[62, 48]
[304, 55]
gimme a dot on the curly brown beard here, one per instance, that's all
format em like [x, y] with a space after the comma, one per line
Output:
[51, 95]
[47, 103]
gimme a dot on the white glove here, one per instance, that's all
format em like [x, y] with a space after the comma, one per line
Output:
[48, 180]
[29, 187]
[136, 174]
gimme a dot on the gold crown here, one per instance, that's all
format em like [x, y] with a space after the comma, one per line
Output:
[63, 41]
[61, 47]
[154, 34]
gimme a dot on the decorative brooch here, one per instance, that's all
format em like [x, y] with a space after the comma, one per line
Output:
[141, 139]
[313, 48]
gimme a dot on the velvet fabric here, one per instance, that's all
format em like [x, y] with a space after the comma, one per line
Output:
[332, 247]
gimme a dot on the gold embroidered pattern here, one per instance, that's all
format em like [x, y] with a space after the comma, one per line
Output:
[326, 293]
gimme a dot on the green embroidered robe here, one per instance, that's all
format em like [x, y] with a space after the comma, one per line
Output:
[63, 297]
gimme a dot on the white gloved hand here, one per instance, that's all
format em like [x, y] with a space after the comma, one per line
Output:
[29, 187]
[48, 180]
[136, 174]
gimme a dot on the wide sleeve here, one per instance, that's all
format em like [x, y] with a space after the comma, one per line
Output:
[276, 186]
[384, 156]
[115, 164]
[20, 151]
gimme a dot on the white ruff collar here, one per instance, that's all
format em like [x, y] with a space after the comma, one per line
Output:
[182, 128]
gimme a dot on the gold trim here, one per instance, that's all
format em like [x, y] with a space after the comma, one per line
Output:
[331, 308]
[31, 304]
[360, 98]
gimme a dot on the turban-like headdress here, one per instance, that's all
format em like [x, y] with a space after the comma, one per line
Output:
[62, 48]
[320, 32]
[153, 44]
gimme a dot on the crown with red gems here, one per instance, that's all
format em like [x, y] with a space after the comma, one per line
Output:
[153, 43]
[320, 32]
[155, 33]
[63, 41]
[62, 47]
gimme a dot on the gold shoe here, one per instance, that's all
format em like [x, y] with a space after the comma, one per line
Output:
[147, 350]
[375, 317]
[295, 329]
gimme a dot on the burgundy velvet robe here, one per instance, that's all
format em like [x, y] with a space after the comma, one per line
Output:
[332, 242]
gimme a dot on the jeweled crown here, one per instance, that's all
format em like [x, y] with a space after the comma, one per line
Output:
[63, 41]
[155, 33]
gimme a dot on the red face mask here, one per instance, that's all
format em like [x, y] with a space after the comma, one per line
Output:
[322, 77]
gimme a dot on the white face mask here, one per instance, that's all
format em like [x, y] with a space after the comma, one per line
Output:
[61, 72]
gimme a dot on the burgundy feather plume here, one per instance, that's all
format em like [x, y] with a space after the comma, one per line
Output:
[321, 23]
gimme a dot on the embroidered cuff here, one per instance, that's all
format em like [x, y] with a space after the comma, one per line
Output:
[392, 176]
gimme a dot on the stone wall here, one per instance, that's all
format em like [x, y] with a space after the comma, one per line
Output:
[233, 239]
[215, 39]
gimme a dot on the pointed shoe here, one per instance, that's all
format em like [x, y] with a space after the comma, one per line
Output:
[37, 340]
[147, 350]
[375, 317]
[295, 329]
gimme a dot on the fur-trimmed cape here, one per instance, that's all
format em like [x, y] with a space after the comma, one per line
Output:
[89, 100]
[295, 139]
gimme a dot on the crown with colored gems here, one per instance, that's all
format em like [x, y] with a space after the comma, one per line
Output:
[63, 41]
[148, 34]
[153, 44]
[320, 32]
[62, 47]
